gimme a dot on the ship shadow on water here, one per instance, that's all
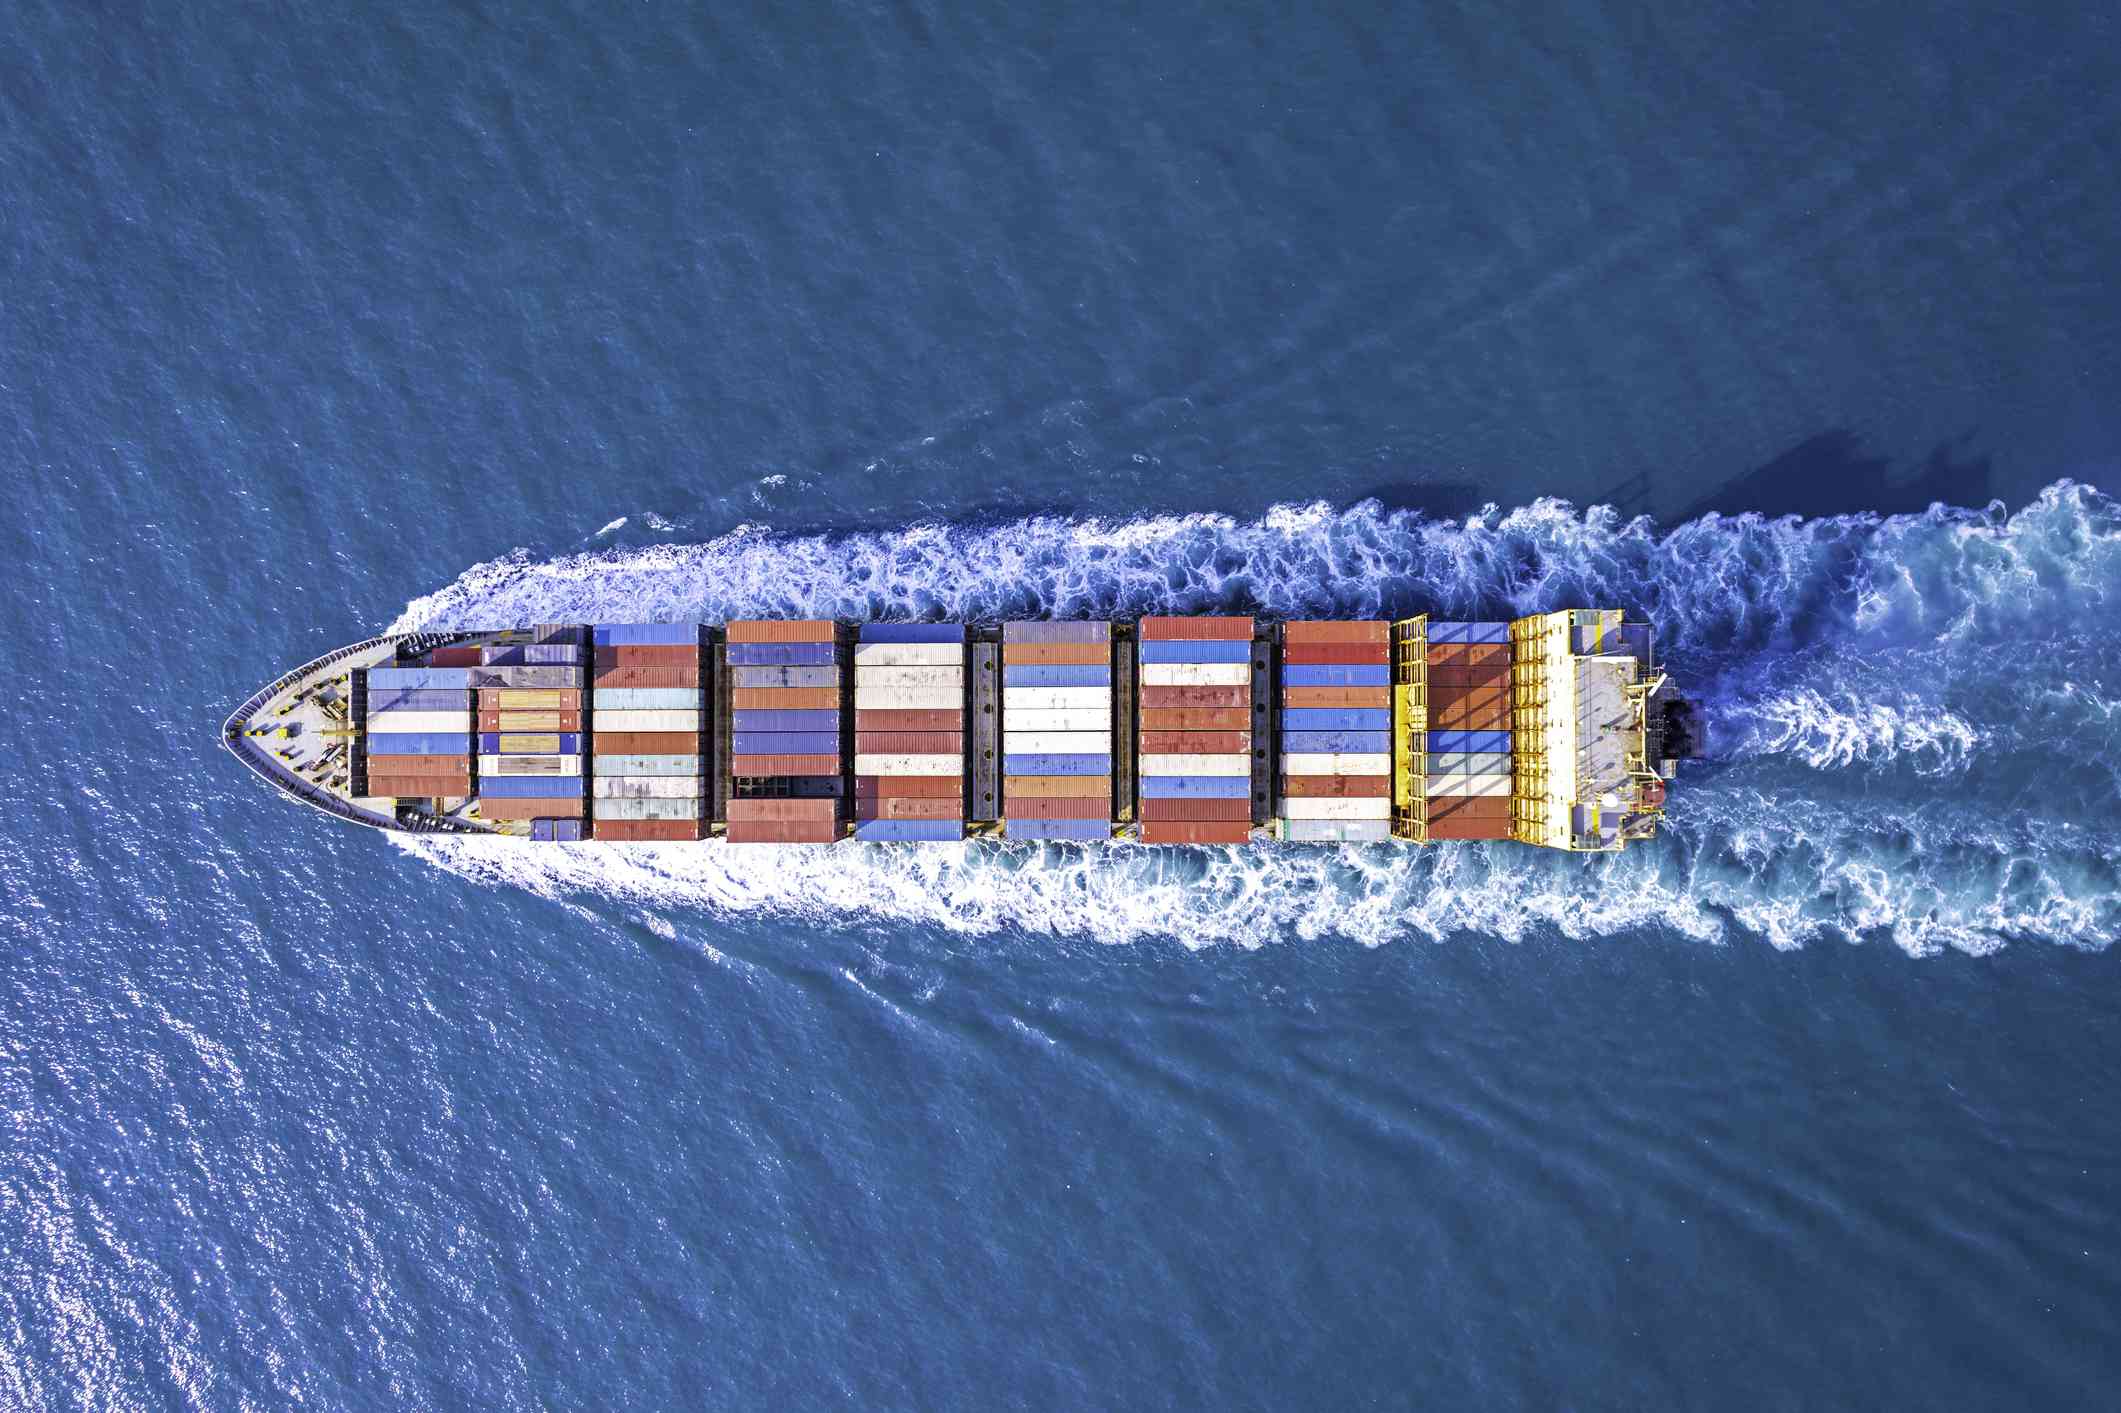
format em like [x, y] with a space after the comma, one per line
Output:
[1831, 473]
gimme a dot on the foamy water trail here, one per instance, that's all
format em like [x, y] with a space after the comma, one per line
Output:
[1914, 721]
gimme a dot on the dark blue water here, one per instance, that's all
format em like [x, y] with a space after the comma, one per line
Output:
[313, 323]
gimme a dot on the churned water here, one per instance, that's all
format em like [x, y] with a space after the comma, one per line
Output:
[1794, 330]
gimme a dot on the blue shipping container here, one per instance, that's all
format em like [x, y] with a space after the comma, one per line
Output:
[457, 677]
[781, 654]
[1088, 830]
[784, 743]
[638, 635]
[1335, 719]
[785, 720]
[785, 676]
[1056, 632]
[530, 655]
[909, 831]
[1469, 740]
[1057, 765]
[1196, 787]
[419, 743]
[420, 699]
[570, 743]
[1163, 650]
[531, 787]
[1313, 675]
[1443, 632]
[1323, 743]
[1056, 676]
[566, 831]
[913, 632]
[1487, 632]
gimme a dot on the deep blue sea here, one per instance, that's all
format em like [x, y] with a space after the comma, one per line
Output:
[1795, 328]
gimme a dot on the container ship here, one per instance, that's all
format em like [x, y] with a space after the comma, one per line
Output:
[1557, 730]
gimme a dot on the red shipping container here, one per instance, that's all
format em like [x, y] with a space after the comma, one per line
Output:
[902, 719]
[1493, 675]
[642, 831]
[1196, 743]
[1336, 787]
[1488, 654]
[1468, 807]
[1461, 828]
[395, 766]
[906, 807]
[782, 811]
[1195, 809]
[756, 767]
[453, 657]
[1059, 807]
[1450, 654]
[793, 831]
[419, 786]
[1195, 832]
[1057, 655]
[1195, 719]
[649, 655]
[647, 743]
[1342, 698]
[773, 630]
[784, 698]
[1338, 631]
[554, 808]
[1196, 696]
[1196, 630]
[686, 676]
[933, 787]
[911, 743]
[1334, 655]
[1470, 719]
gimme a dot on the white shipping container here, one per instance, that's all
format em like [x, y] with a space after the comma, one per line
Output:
[419, 721]
[1334, 831]
[907, 699]
[1056, 698]
[1317, 807]
[953, 677]
[648, 787]
[1057, 743]
[647, 765]
[952, 764]
[909, 654]
[527, 765]
[646, 698]
[1099, 720]
[1239, 763]
[648, 721]
[1470, 787]
[1196, 674]
[644, 809]
[1308, 764]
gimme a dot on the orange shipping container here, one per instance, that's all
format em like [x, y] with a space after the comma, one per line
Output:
[761, 766]
[1057, 654]
[910, 743]
[1317, 631]
[1196, 743]
[1195, 719]
[647, 743]
[1195, 832]
[1057, 807]
[794, 831]
[783, 698]
[650, 655]
[1057, 787]
[647, 676]
[1197, 630]
[771, 630]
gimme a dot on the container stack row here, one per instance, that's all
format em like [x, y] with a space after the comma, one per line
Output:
[530, 737]
[648, 776]
[909, 732]
[417, 731]
[1195, 762]
[784, 731]
[1057, 730]
[1469, 759]
[1336, 732]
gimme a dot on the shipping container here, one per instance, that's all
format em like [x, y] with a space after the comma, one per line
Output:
[648, 721]
[530, 699]
[530, 655]
[1154, 697]
[784, 698]
[1195, 652]
[420, 743]
[1467, 763]
[919, 787]
[1056, 632]
[1059, 806]
[1202, 787]
[1078, 831]
[422, 765]
[1360, 698]
[1332, 654]
[557, 831]
[648, 787]
[1442, 741]
[754, 720]
[1335, 631]
[520, 677]
[1469, 807]
[784, 676]
[1032, 720]
[1056, 765]
[530, 743]
[601, 764]
[638, 634]
[414, 722]
[875, 743]
[1323, 676]
[1336, 831]
[645, 809]
[647, 743]
[867, 654]
[1488, 786]
[454, 657]
[1047, 787]
[1336, 807]
[1194, 831]
[1335, 719]
[1195, 808]
[529, 765]
[931, 720]
[1058, 654]
[1293, 763]
[913, 632]
[1338, 787]
[390, 677]
[784, 743]
[908, 698]
[419, 787]
[1166, 765]
[1056, 743]
[782, 811]
[1096, 676]
[1195, 629]
[505, 807]
[1491, 675]
[950, 677]
[1196, 674]
[1447, 830]
[419, 699]
[664, 678]
[897, 763]
[530, 721]
[529, 787]
[1195, 743]
[643, 831]
[909, 831]
[1195, 719]
[908, 807]
[1336, 742]
[780, 654]
[778, 630]
[646, 698]
[793, 831]
[1056, 698]
[1465, 719]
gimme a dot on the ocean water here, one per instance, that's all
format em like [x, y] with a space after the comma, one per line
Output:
[1792, 329]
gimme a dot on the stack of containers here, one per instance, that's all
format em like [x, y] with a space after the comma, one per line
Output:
[418, 732]
[1336, 722]
[1469, 731]
[648, 779]
[909, 732]
[530, 738]
[1196, 730]
[1057, 730]
[785, 733]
